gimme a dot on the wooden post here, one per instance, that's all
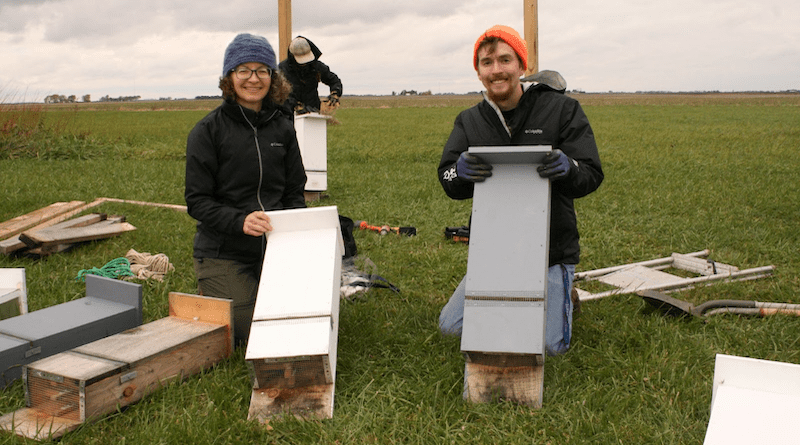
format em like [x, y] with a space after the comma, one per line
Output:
[284, 28]
[532, 35]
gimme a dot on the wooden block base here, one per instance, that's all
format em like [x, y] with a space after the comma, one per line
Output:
[504, 377]
[314, 401]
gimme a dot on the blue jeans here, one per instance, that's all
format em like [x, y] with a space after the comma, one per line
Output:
[558, 327]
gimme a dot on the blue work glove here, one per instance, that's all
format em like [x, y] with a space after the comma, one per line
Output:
[555, 165]
[472, 168]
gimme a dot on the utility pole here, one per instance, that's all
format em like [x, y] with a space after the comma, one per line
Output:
[284, 28]
[532, 34]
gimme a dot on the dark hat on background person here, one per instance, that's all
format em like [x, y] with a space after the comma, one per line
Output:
[301, 50]
[248, 48]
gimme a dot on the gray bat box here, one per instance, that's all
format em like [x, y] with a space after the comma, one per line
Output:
[506, 282]
[110, 306]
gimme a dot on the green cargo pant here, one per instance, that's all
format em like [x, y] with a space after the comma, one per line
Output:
[232, 280]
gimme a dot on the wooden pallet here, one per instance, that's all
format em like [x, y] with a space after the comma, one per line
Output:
[17, 225]
[651, 275]
[12, 230]
[88, 382]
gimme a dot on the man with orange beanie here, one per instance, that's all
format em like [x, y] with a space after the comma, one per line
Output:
[516, 114]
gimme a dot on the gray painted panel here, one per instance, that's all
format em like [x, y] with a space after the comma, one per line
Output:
[515, 327]
[508, 255]
[12, 357]
[64, 317]
[115, 290]
[509, 234]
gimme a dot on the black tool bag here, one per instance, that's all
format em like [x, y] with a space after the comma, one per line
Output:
[347, 224]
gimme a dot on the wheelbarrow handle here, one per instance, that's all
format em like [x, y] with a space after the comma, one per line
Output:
[751, 311]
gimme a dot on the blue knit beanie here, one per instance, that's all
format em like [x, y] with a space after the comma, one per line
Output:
[248, 48]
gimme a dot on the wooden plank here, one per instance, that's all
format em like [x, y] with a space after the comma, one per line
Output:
[80, 221]
[13, 244]
[137, 344]
[206, 309]
[305, 402]
[48, 237]
[21, 223]
[200, 308]
[504, 377]
[180, 208]
[33, 424]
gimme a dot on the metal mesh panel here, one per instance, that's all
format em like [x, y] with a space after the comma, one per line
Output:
[54, 395]
[291, 372]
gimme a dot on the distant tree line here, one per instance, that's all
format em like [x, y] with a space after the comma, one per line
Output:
[106, 98]
[413, 93]
[61, 99]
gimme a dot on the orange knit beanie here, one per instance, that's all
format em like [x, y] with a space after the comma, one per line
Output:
[508, 35]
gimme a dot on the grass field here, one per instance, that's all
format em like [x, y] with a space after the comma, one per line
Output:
[683, 173]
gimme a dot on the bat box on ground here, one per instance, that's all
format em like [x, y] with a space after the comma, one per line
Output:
[93, 380]
[506, 282]
[110, 306]
[293, 338]
[13, 293]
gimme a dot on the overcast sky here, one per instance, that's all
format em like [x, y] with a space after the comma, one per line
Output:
[174, 48]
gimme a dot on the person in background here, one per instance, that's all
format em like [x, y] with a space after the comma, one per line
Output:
[516, 114]
[305, 71]
[242, 159]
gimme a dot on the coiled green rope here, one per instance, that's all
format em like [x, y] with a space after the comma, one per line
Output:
[116, 268]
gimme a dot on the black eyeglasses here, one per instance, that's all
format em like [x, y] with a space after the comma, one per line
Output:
[244, 73]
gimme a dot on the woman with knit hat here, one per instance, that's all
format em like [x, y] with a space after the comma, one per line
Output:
[242, 159]
[516, 114]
